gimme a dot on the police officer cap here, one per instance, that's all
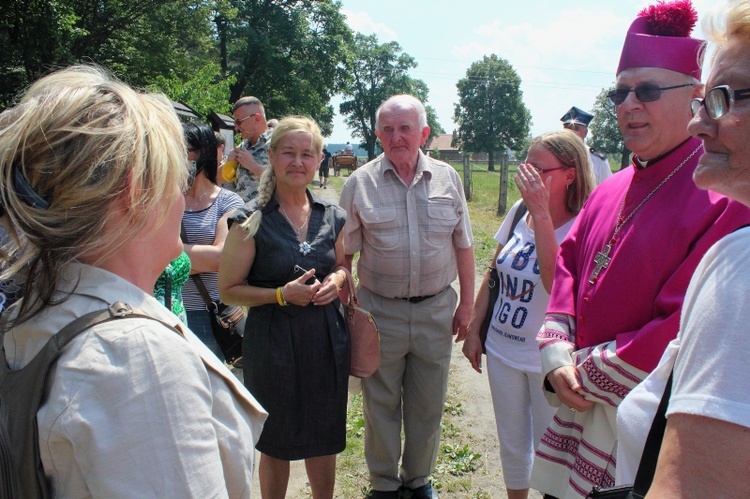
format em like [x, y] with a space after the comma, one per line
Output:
[576, 116]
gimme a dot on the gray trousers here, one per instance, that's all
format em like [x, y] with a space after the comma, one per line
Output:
[410, 386]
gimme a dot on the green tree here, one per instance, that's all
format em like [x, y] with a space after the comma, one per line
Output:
[204, 91]
[606, 135]
[432, 121]
[376, 72]
[288, 53]
[138, 40]
[490, 113]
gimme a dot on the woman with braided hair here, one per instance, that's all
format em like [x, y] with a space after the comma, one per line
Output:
[280, 260]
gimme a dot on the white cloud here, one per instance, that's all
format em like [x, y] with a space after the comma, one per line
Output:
[363, 23]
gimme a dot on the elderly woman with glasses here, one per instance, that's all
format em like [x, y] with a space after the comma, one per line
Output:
[93, 174]
[554, 183]
[706, 444]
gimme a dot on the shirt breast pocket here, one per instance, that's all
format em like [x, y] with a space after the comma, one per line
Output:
[441, 222]
[382, 229]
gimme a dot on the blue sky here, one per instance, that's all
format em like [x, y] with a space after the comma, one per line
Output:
[565, 52]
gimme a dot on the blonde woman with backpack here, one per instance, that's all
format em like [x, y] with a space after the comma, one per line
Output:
[93, 174]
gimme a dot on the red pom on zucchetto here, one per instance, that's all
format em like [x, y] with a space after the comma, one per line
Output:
[670, 19]
[660, 38]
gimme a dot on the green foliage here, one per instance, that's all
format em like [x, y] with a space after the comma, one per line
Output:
[490, 113]
[432, 121]
[606, 135]
[204, 91]
[456, 460]
[288, 53]
[375, 72]
[136, 40]
[522, 149]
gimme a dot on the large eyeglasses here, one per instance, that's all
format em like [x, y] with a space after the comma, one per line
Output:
[719, 101]
[646, 92]
[542, 170]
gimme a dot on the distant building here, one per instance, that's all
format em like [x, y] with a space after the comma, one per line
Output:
[448, 152]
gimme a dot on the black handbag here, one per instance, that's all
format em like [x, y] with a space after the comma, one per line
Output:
[228, 323]
[647, 466]
[493, 281]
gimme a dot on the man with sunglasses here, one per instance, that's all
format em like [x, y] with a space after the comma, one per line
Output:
[577, 121]
[623, 270]
[252, 154]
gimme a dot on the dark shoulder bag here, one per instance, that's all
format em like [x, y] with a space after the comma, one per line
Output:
[493, 281]
[228, 322]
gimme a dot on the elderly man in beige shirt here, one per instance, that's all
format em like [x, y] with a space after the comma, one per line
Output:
[407, 218]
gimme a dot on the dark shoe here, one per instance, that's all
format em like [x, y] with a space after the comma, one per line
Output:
[424, 492]
[382, 494]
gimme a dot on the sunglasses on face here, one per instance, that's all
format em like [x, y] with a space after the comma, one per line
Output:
[239, 122]
[719, 101]
[646, 92]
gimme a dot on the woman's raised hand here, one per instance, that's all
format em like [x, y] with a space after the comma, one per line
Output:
[534, 190]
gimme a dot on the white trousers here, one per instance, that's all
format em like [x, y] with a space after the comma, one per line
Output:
[522, 415]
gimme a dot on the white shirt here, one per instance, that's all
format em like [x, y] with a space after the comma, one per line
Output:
[709, 355]
[600, 168]
[134, 409]
[519, 311]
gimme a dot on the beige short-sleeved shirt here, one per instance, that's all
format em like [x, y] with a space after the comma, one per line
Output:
[406, 235]
[133, 409]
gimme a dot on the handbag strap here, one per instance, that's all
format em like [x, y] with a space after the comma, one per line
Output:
[210, 306]
[647, 467]
[352, 295]
[520, 212]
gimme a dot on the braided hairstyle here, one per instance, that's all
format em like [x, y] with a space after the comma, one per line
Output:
[267, 186]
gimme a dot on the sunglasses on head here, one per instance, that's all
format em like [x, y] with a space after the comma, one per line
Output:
[719, 101]
[645, 92]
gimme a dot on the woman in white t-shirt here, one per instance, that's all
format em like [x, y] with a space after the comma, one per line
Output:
[706, 446]
[554, 183]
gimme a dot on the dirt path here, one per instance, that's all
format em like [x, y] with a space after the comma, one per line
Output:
[476, 422]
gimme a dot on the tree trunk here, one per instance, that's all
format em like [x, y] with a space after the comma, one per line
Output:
[370, 149]
[221, 30]
[467, 178]
[491, 162]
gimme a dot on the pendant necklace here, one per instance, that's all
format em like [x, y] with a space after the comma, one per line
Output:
[602, 258]
[304, 247]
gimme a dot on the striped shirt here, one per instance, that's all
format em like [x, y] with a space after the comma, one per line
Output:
[200, 227]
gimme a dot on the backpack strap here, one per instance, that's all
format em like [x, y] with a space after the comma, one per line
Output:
[22, 392]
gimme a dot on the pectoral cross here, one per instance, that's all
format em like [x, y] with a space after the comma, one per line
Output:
[602, 261]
